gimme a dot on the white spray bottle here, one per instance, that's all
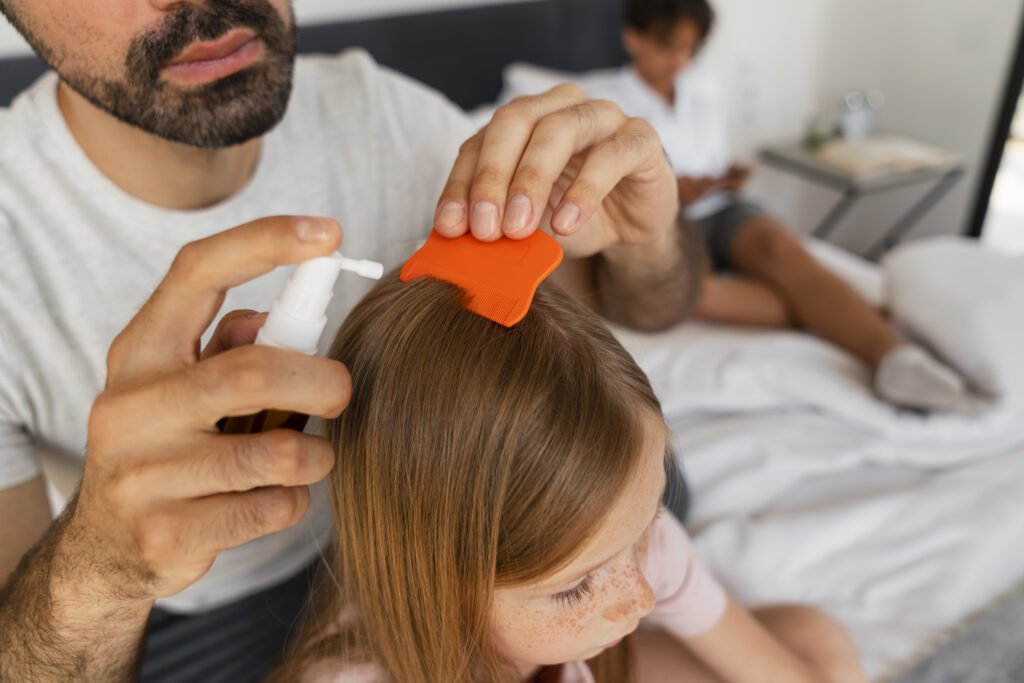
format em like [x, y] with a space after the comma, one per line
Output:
[295, 323]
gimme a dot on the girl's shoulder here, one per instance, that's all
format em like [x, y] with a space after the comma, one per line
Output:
[689, 600]
[669, 547]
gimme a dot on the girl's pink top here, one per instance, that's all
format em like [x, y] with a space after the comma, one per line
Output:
[688, 602]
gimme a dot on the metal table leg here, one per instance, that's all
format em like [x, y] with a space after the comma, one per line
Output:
[828, 224]
[905, 224]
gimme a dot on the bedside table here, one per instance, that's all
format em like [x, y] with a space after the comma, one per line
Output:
[870, 173]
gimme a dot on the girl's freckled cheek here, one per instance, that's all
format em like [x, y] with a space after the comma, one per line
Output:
[570, 624]
[574, 622]
[533, 629]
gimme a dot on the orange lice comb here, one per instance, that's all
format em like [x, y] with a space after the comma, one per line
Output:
[499, 278]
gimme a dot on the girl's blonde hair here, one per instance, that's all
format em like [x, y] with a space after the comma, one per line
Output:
[471, 457]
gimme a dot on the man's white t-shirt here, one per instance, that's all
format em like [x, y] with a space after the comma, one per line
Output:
[692, 129]
[79, 256]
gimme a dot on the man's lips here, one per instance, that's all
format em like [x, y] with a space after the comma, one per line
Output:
[215, 49]
[211, 60]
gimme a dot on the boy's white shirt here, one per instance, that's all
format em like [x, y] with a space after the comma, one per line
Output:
[78, 257]
[693, 130]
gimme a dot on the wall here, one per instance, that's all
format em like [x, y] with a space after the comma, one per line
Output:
[767, 56]
[942, 65]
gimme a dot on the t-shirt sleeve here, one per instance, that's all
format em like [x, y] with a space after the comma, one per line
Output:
[18, 462]
[689, 601]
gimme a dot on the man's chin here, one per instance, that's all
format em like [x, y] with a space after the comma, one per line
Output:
[222, 113]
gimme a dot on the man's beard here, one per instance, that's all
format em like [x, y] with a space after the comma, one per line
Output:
[222, 113]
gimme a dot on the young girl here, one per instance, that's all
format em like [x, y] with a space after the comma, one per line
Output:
[498, 509]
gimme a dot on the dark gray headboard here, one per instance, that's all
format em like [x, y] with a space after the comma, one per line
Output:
[460, 52]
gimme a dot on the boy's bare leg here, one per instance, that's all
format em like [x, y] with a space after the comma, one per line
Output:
[741, 301]
[819, 301]
[825, 305]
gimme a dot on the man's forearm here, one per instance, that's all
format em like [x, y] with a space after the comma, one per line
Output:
[61, 621]
[653, 286]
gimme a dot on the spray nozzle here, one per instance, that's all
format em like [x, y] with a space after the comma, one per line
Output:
[368, 269]
[299, 315]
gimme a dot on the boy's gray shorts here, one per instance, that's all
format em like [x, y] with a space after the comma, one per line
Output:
[719, 230]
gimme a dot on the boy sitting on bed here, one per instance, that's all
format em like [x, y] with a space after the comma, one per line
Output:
[779, 283]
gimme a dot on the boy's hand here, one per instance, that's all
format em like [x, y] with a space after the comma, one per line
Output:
[737, 177]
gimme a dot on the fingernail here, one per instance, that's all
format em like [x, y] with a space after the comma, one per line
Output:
[313, 230]
[566, 217]
[520, 211]
[450, 215]
[485, 220]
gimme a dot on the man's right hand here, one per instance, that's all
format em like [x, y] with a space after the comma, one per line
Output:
[163, 491]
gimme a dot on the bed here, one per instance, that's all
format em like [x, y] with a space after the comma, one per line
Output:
[904, 527]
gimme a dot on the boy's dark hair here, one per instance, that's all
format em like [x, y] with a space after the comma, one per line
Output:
[663, 15]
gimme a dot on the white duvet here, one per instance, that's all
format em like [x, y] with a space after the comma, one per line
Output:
[808, 489]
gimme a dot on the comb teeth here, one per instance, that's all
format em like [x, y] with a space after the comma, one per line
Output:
[493, 305]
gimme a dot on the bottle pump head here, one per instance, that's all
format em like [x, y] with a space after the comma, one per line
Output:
[299, 315]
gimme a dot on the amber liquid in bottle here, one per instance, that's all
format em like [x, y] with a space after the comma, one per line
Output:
[296, 323]
[263, 421]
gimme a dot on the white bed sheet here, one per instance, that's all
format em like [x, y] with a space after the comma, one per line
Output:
[808, 489]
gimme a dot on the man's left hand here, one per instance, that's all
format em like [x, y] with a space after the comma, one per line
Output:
[581, 169]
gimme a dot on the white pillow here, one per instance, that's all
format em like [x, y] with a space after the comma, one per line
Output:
[966, 301]
[521, 79]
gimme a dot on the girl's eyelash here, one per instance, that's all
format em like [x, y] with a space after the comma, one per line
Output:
[574, 595]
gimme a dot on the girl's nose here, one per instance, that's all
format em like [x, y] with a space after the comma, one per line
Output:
[633, 597]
